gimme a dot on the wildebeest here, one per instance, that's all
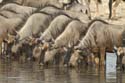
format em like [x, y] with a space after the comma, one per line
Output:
[102, 35]
[76, 6]
[56, 27]
[87, 2]
[79, 8]
[8, 26]
[23, 10]
[35, 24]
[78, 15]
[70, 36]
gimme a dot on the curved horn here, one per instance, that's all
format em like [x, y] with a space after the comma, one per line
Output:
[115, 48]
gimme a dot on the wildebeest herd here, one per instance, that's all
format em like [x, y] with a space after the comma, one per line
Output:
[58, 32]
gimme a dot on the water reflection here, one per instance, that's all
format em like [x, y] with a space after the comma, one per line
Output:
[16, 72]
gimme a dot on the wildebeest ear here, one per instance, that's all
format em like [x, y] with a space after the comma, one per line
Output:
[1, 1]
[16, 32]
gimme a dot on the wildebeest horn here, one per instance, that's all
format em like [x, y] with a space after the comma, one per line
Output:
[115, 49]
[65, 48]
[30, 37]
[16, 31]
[76, 47]
[69, 45]
[17, 37]
[1, 1]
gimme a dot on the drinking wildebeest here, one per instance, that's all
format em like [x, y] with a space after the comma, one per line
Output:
[56, 27]
[35, 24]
[112, 8]
[69, 37]
[103, 36]
[8, 26]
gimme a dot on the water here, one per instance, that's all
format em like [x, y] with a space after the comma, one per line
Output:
[16, 72]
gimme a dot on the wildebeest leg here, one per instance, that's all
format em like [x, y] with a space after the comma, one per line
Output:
[123, 67]
[29, 53]
[110, 8]
[3, 50]
[41, 62]
[115, 5]
[102, 56]
[119, 62]
[67, 56]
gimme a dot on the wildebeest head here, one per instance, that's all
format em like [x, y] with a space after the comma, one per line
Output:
[40, 50]
[121, 51]
[77, 56]
[74, 58]
[16, 48]
[50, 54]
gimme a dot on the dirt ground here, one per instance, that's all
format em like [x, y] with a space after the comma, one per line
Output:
[104, 12]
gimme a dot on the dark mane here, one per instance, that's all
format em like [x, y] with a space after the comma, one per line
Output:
[51, 6]
[3, 15]
[12, 11]
[61, 13]
[10, 2]
[95, 20]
